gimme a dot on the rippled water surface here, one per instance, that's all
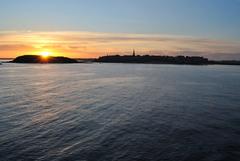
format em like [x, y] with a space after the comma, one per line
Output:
[119, 112]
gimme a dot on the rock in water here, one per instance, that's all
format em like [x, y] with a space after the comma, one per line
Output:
[43, 60]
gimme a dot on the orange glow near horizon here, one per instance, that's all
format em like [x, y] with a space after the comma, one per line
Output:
[93, 44]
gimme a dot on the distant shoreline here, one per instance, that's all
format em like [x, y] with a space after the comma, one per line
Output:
[177, 60]
[125, 59]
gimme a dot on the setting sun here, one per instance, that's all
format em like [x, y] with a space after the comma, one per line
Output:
[45, 54]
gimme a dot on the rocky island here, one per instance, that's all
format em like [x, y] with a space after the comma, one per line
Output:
[32, 59]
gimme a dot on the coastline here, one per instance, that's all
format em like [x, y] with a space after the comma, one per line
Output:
[126, 59]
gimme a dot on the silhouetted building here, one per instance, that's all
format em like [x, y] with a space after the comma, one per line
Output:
[134, 53]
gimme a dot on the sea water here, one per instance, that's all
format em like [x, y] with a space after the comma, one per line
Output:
[119, 112]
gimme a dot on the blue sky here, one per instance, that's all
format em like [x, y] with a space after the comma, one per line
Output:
[200, 19]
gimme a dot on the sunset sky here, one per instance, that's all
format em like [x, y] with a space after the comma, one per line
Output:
[91, 28]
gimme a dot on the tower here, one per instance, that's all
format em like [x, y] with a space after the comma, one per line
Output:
[134, 53]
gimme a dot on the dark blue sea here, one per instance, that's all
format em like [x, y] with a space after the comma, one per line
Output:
[119, 112]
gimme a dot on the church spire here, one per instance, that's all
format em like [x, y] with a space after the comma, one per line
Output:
[134, 53]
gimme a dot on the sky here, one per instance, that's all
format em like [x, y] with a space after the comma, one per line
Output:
[91, 28]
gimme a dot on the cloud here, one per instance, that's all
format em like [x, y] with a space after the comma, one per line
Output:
[16, 47]
[94, 44]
